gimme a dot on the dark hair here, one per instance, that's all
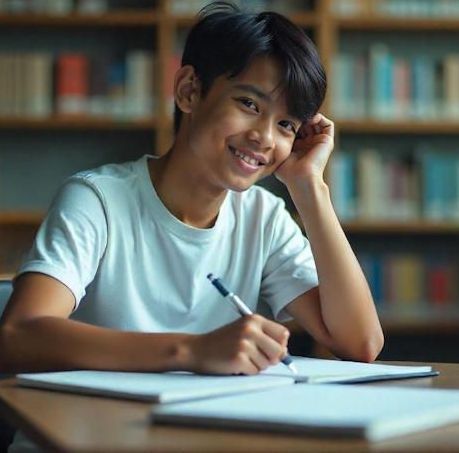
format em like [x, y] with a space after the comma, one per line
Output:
[225, 40]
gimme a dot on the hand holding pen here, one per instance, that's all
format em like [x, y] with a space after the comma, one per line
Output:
[244, 311]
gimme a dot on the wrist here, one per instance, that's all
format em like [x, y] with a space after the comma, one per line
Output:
[308, 189]
[182, 357]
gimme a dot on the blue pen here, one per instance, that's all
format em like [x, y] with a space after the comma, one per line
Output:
[243, 311]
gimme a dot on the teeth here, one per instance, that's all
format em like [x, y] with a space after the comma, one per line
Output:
[245, 158]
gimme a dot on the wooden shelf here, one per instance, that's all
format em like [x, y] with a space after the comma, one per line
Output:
[388, 23]
[392, 227]
[21, 218]
[398, 127]
[78, 123]
[304, 19]
[118, 18]
[180, 20]
[420, 320]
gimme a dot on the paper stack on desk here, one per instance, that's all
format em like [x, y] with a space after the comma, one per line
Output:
[373, 413]
[270, 400]
[167, 387]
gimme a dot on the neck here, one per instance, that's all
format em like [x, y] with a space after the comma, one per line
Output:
[181, 186]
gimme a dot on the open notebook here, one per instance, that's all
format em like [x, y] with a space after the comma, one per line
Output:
[173, 387]
[373, 413]
[321, 371]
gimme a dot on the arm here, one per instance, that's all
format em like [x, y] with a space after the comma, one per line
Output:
[36, 335]
[340, 314]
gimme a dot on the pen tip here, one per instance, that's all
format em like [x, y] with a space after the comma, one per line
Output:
[210, 276]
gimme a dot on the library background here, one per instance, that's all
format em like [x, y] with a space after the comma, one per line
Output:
[87, 82]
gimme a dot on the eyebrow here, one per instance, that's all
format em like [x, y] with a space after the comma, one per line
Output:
[254, 90]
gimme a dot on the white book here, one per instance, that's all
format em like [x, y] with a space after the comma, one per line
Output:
[3, 83]
[154, 387]
[59, 7]
[38, 85]
[92, 6]
[373, 413]
[180, 386]
[371, 185]
[139, 84]
[319, 371]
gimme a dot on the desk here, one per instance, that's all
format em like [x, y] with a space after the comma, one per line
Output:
[67, 422]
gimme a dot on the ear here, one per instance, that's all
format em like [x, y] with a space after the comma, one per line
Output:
[187, 88]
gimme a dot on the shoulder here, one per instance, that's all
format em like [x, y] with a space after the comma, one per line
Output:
[107, 182]
[111, 173]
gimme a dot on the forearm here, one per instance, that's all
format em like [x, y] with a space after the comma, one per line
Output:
[52, 343]
[346, 304]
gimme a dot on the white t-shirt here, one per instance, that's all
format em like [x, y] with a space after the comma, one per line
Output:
[132, 265]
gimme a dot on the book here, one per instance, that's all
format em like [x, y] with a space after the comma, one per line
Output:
[38, 85]
[155, 387]
[139, 84]
[72, 83]
[180, 386]
[372, 413]
[321, 371]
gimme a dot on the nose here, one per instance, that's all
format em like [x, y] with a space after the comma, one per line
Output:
[262, 133]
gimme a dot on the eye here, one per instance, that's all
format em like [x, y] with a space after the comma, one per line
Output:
[247, 102]
[288, 125]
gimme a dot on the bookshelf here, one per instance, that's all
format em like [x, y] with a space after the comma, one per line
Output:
[417, 246]
[158, 26]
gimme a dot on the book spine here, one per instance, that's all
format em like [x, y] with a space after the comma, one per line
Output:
[72, 84]
[451, 86]
[139, 84]
[59, 7]
[116, 89]
[92, 6]
[342, 178]
[343, 85]
[98, 86]
[371, 190]
[381, 81]
[39, 85]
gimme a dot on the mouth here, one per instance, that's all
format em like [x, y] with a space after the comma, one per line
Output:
[249, 157]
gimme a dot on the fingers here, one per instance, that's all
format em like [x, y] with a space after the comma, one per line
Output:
[246, 346]
[320, 124]
[266, 341]
[256, 343]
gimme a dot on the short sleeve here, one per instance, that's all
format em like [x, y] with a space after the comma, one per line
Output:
[290, 269]
[72, 239]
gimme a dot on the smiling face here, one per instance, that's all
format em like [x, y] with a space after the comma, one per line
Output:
[240, 131]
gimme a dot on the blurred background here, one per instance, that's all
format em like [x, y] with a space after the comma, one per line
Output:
[87, 82]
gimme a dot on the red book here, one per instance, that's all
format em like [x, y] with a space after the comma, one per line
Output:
[438, 285]
[72, 84]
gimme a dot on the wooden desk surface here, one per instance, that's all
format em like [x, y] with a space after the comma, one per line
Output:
[66, 422]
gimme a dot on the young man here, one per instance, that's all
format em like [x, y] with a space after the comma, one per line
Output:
[116, 279]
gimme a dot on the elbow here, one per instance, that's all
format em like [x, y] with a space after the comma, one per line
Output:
[365, 350]
[370, 348]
